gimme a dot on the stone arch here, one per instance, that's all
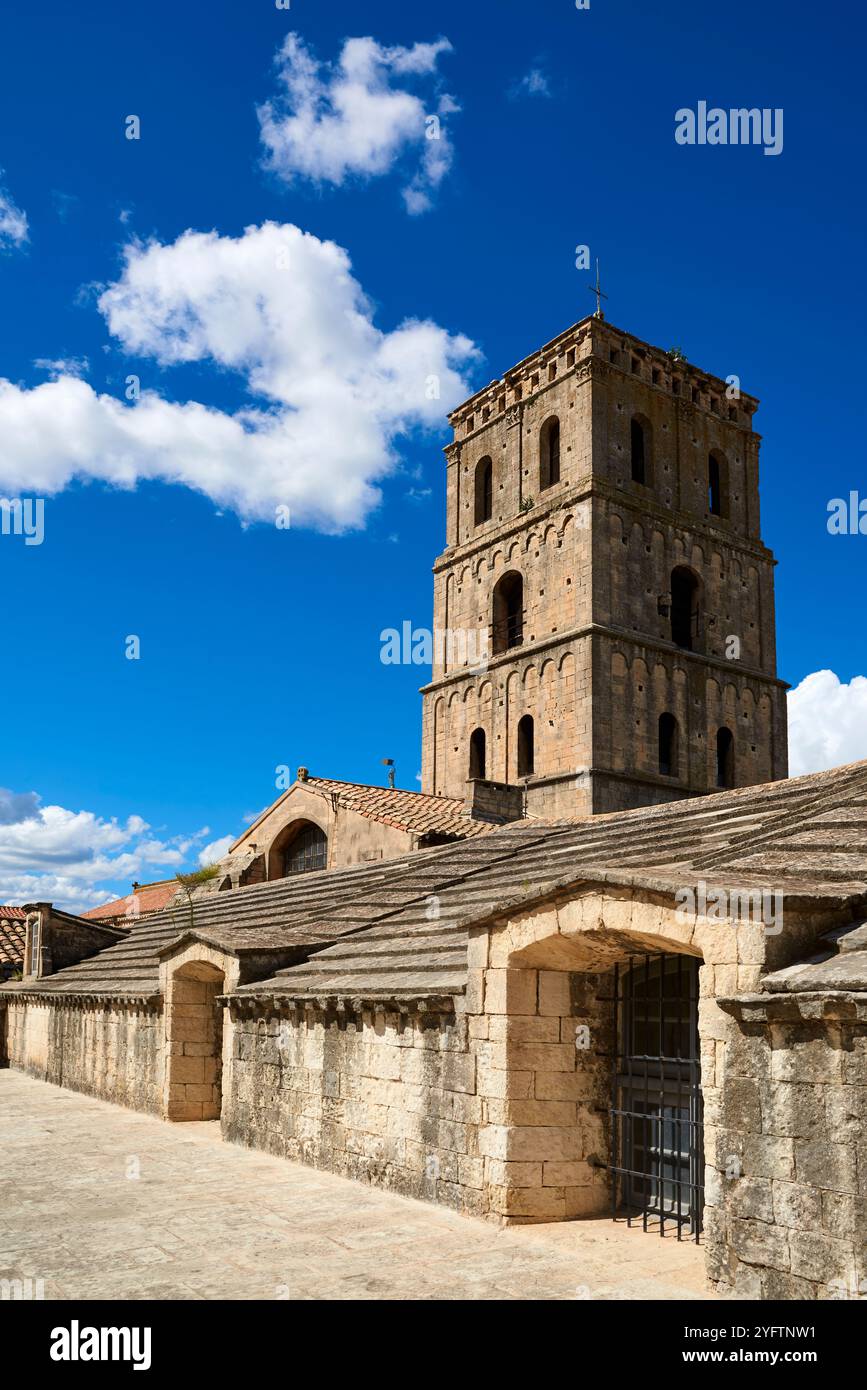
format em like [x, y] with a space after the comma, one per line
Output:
[548, 978]
[306, 839]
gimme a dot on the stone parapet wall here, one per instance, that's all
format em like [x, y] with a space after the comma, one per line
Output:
[386, 1097]
[113, 1050]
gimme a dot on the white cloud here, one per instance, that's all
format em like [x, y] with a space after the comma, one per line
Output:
[281, 309]
[532, 84]
[827, 722]
[16, 806]
[351, 120]
[214, 851]
[13, 222]
[62, 366]
[74, 858]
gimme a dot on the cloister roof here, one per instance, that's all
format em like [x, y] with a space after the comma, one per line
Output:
[398, 928]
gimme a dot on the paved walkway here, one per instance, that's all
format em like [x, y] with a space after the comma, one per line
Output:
[101, 1202]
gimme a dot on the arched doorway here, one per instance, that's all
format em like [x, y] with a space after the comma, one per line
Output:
[657, 1158]
[194, 1034]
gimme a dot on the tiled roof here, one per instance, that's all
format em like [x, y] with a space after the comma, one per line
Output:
[399, 928]
[12, 929]
[411, 811]
[148, 897]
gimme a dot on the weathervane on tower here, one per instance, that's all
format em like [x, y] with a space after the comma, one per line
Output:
[599, 293]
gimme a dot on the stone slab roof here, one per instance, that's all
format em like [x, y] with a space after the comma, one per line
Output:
[843, 966]
[399, 927]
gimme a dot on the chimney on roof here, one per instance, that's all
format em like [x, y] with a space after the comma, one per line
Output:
[303, 774]
[389, 763]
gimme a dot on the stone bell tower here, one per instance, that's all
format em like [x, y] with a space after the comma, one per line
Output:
[606, 600]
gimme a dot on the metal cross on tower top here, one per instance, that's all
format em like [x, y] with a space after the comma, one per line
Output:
[599, 293]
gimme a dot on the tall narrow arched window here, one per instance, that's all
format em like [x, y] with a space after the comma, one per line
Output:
[640, 435]
[685, 608]
[725, 758]
[549, 453]
[508, 613]
[484, 490]
[716, 484]
[477, 753]
[668, 750]
[526, 751]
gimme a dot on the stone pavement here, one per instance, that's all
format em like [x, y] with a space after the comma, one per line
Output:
[100, 1202]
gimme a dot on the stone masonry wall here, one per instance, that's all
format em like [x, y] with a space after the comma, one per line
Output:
[786, 1195]
[114, 1051]
[388, 1098]
[495, 1110]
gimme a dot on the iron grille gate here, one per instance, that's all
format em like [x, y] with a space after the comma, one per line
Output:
[657, 1159]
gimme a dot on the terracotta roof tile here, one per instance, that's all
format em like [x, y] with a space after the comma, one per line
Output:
[147, 898]
[11, 936]
[414, 811]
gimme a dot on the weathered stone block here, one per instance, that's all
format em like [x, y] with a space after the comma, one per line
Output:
[554, 993]
[797, 1206]
[510, 991]
[819, 1258]
[757, 1243]
[822, 1164]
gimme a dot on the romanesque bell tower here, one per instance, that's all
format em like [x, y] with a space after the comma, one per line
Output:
[603, 534]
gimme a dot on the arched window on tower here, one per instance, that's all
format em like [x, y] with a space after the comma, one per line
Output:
[549, 453]
[484, 490]
[640, 436]
[526, 751]
[508, 613]
[725, 758]
[716, 484]
[668, 750]
[477, 753]
[685, 608]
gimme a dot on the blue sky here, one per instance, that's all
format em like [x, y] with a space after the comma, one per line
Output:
[260, 646]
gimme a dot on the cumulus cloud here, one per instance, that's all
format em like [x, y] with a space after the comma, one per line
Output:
[13, 222]
[77, 859]
[280, 308]
[216, 849]
[359, 117]
[827, 722]
[16, 806]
